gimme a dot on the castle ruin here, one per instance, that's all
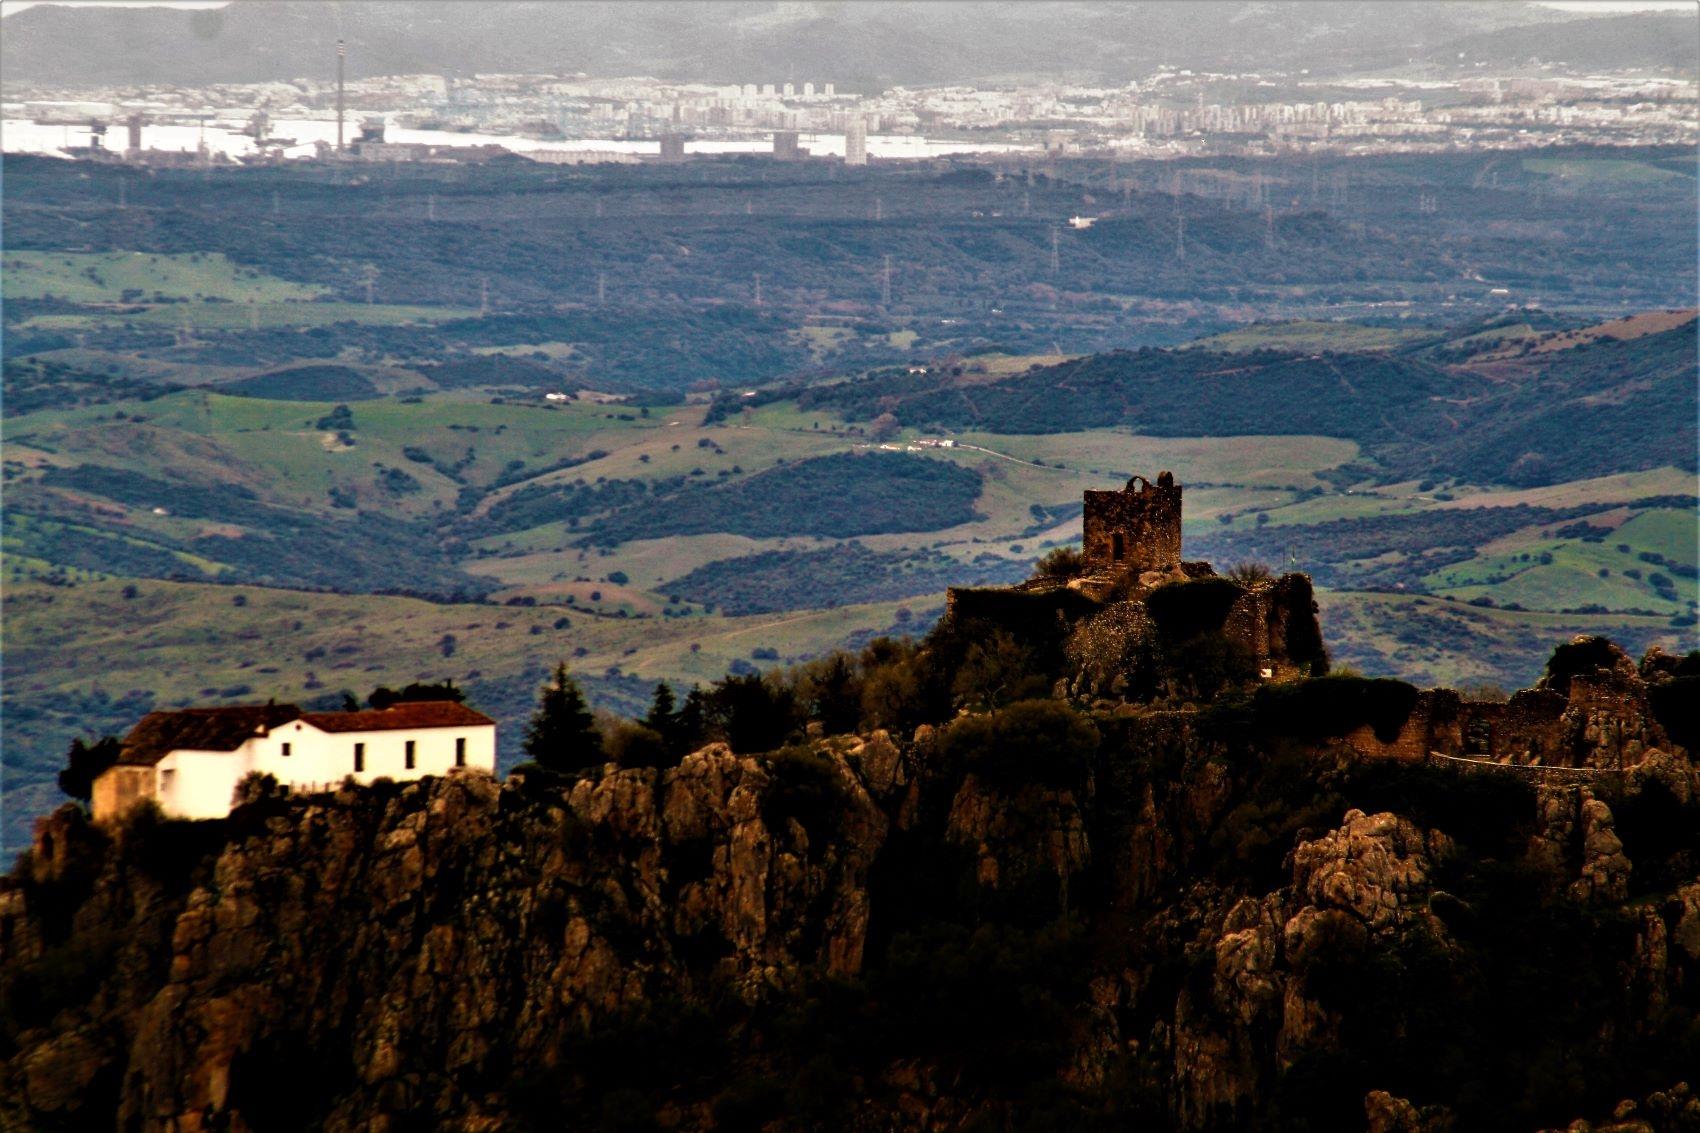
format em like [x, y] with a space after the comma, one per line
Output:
[1131, 548]
[1135, 530]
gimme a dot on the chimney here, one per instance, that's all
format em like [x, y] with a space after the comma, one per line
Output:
[341, 53]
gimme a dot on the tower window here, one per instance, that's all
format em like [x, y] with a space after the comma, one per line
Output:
[359, 758]
[410, 755]
[1118, 547]
[286, 747]
[460, 751]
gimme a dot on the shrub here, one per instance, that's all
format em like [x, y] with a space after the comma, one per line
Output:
[1185, 610]
[1323, 707]
[1061, 562]
[750, 713]
[1032, 741]
[1203, 666]
[630, 744]
[1676, 706]
[84, 763]
[805, 785]
[1248, 573]
[997, 670]
[254, 787]
[1578, 658]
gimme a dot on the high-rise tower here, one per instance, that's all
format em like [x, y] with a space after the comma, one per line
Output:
[856, 141]
[341, 53]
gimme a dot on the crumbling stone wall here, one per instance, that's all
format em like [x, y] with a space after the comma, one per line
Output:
[1435, 724]
[1276, 622]
[1133, 530]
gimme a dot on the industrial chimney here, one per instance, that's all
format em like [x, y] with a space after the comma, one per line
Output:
[341, 53]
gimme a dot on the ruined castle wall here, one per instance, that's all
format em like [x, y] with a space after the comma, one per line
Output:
[1276, 622]
[1143, 523]
[1526, 730]
[1435, 724]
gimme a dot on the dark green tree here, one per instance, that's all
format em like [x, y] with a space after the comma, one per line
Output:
[753, 714]
[383, 696]
[84, 764]
[663, 715]
[562, 736]
[833, 695]
[690, 725]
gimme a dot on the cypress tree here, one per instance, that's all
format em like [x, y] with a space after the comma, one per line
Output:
[562, 736]
[663, 717]
[84, 763]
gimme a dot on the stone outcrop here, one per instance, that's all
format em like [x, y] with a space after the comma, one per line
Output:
[440, 933]
[1172, 939]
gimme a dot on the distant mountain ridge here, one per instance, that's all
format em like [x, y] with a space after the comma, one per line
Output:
[860, 46]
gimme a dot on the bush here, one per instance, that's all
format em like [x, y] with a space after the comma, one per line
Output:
[1676, 706]
[255, 787]
[1324, 707]
[1578, 658]
[1062, 562]
[751, 714]
[1248, 573]
[1032, 741]
[1202, 667]
[1185, 610]
[805, 785]
[630, 744]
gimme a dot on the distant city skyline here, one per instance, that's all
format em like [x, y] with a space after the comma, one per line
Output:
[13, 7]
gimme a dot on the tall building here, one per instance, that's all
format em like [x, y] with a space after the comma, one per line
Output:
[790, 90]
[808, 90]
[856, 141]
[828, 91]
[672, 147]
[785, 146]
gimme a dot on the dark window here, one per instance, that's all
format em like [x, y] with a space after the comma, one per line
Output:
[410, 755]
[286, 747]
[460, 751]
[359, 757]
[1117, 550]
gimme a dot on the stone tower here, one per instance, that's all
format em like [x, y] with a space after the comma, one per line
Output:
[1134, 530]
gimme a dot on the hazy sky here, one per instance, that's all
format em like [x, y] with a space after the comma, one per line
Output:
[12, 7]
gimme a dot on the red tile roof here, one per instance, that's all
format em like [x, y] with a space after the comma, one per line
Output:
[408, 714]
[201, 729]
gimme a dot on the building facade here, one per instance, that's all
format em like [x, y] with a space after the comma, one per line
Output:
[190, 761]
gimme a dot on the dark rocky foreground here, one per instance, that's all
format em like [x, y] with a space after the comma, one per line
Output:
[1129, 918]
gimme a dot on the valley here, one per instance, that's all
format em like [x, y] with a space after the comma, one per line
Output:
[229, 477]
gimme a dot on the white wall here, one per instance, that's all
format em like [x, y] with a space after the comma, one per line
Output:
[324, 759]
[199, 784]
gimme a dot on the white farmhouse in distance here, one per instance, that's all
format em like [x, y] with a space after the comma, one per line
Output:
[190, 761]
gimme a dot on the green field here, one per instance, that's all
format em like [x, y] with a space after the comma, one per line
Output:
[1603, 172]
[114, 277]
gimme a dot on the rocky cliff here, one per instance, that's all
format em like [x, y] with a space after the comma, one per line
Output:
[1163, 917]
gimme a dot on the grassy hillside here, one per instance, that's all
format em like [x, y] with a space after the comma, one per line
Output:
[228, 476]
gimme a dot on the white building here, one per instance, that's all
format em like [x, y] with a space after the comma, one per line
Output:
[190, 761]
[856, 141]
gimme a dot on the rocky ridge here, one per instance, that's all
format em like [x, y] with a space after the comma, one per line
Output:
[1203, 927]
